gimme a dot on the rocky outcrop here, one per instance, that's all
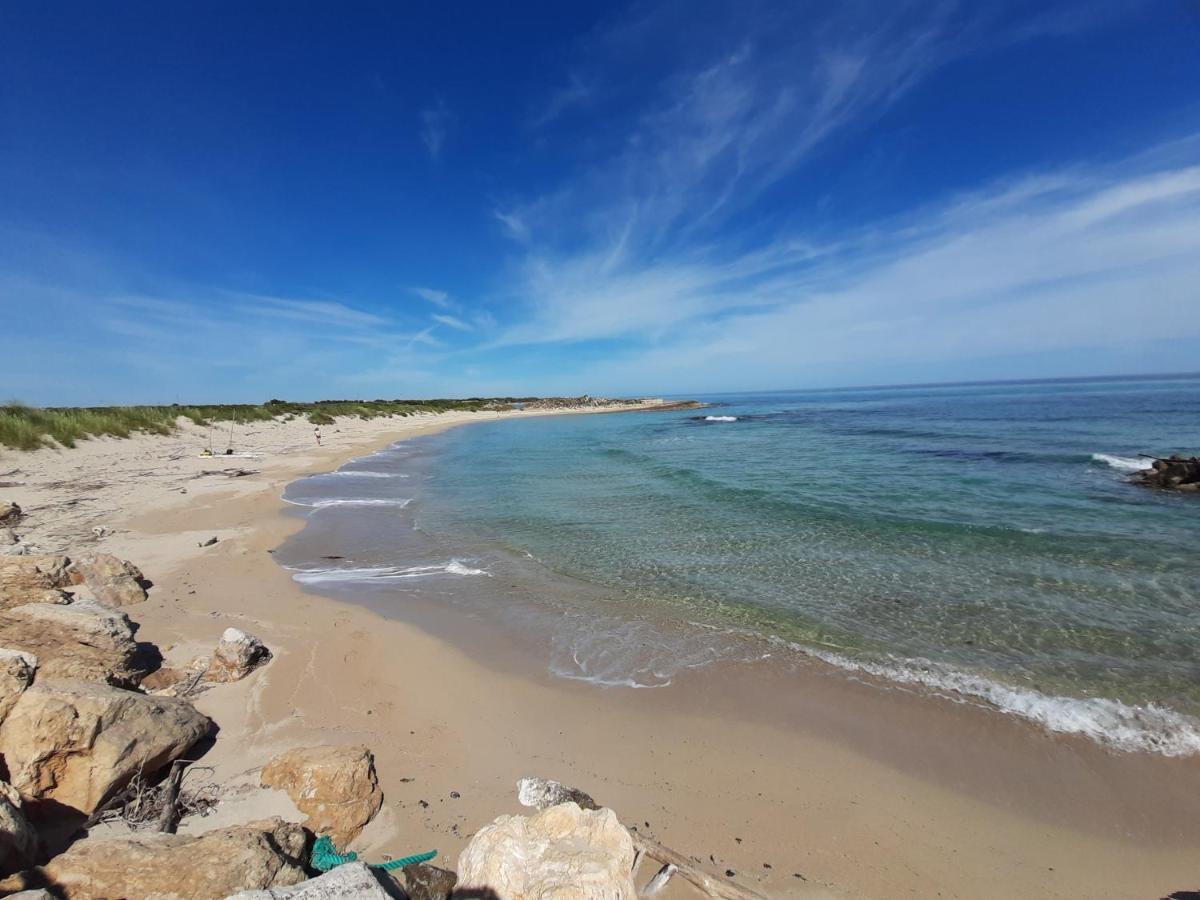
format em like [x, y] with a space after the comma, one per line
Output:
[426, 882]
[112, 581]
[82, 640]
[173, 866]
[335, 787]
[541, 793]
[563, 852]
[1178, 473]
[16, 674]
[37, 578]
[10, 513]
[18, 840]
[78, 742]
[237, 655]
[353, 881]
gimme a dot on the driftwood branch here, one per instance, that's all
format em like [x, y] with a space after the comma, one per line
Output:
[168, 819]
[713, 885]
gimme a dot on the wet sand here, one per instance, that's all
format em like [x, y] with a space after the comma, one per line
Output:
[842, 788]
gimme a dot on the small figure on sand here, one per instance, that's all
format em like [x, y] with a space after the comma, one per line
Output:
[317, 434]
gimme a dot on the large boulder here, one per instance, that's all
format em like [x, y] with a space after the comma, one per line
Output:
[76, 743]
[425, 882]
[237, 655]
[83, 640]
[16, 674]
[18, 840]
[562, 852]
[353, 881]
[335, 787]
[36, 578]
[175, 866]
[112, 581]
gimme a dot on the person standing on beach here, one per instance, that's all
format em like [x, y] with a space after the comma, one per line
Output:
[317, 434]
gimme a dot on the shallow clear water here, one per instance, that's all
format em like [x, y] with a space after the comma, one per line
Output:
[976, 539]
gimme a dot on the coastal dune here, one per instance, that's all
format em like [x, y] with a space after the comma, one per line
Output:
[799, 784]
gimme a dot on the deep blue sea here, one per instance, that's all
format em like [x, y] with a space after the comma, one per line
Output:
[980, 541]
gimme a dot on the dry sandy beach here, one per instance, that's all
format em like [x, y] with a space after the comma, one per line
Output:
[808, 784]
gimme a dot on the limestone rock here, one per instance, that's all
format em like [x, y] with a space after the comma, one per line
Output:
[8, 536]
[18, 840]
[175, 866]
[353, 881]
[112, 581]
[78, 742]
[16, 674]
[541, 793]
[80, 640]
[38, 894]
[425, 882]
[33, 578]
[237, 655]
[335, 787]
[10, 513]
[562, 852]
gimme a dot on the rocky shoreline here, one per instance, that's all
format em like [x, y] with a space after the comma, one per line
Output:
[1178, 473]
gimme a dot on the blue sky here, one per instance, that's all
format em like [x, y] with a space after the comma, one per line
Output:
[235, 201]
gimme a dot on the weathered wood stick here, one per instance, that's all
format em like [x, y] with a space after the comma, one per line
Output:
[713, 885]
[168, 820]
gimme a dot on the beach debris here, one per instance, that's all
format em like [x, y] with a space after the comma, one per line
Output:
[8, 536]
[336, 787]
[112, 581]
[16, 674]
[37, 578]
[425, 882]
[541, 793]
[210, 542]
[10, 513]
[83, 640]
[78, 742]
[237, 655]
[1176, 472]
[563, 851]
[255, 856]
[353, 880]
[100, 531]
[18, 841]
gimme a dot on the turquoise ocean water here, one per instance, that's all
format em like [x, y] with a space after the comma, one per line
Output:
[979, 541]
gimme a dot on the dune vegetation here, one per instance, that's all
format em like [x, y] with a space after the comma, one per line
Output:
[28, 428]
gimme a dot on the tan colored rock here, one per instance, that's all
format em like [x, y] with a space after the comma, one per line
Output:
[112, 581]
[16, 674]
[562, 852]
[237, 655]
[352, 881]
[10, 513]
[335, 787]
[33, 578]
[79, 640]
[79, 742]
[145, 866]
[18, 840]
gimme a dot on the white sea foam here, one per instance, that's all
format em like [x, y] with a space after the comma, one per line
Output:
[348, 501]
[1124, 463]
[1150, 728]
[361, 473]
[720, 418]
[383, 573]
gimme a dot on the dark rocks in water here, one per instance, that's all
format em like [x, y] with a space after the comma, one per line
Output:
[425, 882]
[1177, 472]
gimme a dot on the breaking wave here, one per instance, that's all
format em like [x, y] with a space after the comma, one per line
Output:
[1150, 728]
[339, 501]
[360, 473]
[720, 418]
[1124, 463]
[383, 573]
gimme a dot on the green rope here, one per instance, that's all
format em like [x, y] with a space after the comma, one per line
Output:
[325, 857]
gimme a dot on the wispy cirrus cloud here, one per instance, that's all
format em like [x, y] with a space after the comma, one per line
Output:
[436, 122]
[434, 296]
[452, 322]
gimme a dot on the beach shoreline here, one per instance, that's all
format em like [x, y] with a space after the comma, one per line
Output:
[825, 787]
